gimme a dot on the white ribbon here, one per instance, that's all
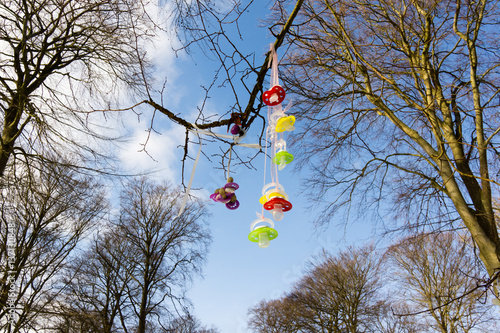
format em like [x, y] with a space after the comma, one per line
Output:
[274, 71]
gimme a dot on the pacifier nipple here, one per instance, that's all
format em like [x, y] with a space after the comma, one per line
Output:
[278, 212]
[282, 162]
[263, 240]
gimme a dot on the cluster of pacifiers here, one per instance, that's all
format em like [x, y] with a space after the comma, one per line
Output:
[280, 122]
[226, 194]
[274, 197]
[275, 200]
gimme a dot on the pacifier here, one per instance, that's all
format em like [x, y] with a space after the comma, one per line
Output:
[278, 207]
[274, 96]
[226, 194]
[262, 231]
[282, 157]
[285, 124]
[275, 199]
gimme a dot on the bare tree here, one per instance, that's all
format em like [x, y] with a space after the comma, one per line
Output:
[399, 101]
[135, 273]
[60, 58]
[44, 215]
[95, 287]
[438, 273]
[340, 292]
[168, 250]
[337, 294]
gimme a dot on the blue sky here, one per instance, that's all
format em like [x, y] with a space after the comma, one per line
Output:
[238, 274]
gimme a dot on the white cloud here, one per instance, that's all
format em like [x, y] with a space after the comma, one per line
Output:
[163, 161]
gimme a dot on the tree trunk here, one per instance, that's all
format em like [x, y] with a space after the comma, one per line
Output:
[9, 134]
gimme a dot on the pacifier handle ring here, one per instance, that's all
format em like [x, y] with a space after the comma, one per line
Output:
[261, 220]
[271, 233]
[278, 186]
[233, 205]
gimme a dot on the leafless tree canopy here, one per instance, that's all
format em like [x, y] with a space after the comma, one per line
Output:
[134, 276]
[442, 276]
[169, 250]
[59, 60]
[44, 216]
[337, 294]
[399, 105]
[95, 287]
[427, 283]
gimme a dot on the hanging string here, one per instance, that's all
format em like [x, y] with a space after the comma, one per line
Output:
[274, 166]
[274, 70]
[265, 166]
[270, 113]
[229, 162]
